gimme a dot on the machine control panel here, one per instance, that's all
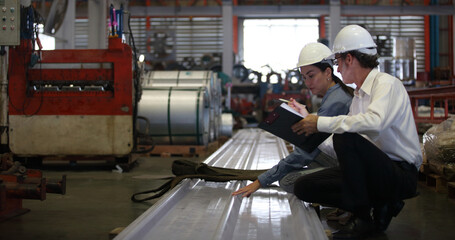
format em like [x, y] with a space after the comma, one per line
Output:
[10, 22]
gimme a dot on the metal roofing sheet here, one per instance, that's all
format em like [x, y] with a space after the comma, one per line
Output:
[196, 209]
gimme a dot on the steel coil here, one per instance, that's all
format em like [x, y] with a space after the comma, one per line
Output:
[176, 115]
[181, 79]
[192, 79]
[227, 123]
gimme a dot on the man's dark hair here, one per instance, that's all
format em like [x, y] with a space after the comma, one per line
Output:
[323, 66]
[365, 60]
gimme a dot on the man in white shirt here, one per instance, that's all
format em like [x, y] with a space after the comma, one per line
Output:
[377, 144]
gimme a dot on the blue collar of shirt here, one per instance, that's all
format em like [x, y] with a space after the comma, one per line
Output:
[330, 90]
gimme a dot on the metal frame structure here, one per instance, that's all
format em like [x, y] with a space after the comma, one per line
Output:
[288, 11]
[442, 96]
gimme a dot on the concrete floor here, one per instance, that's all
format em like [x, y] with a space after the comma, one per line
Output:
[98, 201]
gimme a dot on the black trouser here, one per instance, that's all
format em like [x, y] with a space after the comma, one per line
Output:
[366, 177]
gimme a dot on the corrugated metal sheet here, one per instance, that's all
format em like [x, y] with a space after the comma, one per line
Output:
[196, 209]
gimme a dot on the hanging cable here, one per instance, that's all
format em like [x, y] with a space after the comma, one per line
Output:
[137, 90]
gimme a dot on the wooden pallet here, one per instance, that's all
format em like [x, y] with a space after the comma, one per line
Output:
[438, 182]
[451, 190]
[435, 181]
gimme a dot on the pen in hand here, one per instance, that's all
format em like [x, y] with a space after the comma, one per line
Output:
[284, 100]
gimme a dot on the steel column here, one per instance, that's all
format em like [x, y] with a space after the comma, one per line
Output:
[335, 22]
[97, 24]
[227, 15]
[64, 37]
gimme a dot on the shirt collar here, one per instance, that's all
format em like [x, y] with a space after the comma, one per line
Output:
[368, 83]
[331, 89]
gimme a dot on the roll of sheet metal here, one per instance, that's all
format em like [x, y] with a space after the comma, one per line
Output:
[182, 79]
[227, 123]
[177, 115]
[207, 79]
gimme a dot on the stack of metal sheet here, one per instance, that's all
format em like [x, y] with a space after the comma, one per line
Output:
[196, 209]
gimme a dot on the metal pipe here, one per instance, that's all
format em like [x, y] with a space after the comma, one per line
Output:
[53, 185]
[427, 43]
[3, 97]
[26, 191]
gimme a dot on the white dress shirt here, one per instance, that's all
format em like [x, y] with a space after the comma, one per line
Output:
[380, 110]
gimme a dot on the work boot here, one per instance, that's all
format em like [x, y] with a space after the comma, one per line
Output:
[339, 215]
[383, 215]
[356, 228]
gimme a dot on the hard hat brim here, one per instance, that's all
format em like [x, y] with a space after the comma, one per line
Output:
[366, 50]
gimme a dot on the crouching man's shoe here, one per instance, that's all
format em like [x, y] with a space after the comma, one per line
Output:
[356, 228]
[383, 215]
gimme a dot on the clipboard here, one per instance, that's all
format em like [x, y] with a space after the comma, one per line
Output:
[279, 123]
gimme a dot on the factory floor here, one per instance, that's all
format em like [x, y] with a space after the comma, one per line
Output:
[98, 201]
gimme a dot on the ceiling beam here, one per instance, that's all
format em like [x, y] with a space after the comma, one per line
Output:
[290, 11]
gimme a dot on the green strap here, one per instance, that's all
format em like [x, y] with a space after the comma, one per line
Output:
[189, 169]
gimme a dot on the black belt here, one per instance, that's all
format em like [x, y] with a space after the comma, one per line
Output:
[406, 166]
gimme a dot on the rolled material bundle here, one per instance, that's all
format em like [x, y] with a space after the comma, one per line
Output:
[227, 124]
[192, 79]
[175, 115]
[182, 79]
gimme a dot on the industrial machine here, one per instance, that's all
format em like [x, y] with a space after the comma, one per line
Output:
[65, 104]
[16, 181]
[71, 103]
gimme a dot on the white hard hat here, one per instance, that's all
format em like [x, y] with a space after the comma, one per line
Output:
[313, 53]
[353, 37]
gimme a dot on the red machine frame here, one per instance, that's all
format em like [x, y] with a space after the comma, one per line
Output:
[24, 101]
[75, 102]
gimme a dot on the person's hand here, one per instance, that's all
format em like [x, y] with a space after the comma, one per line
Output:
[298, 107]
[248, 190]
[308, 125]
